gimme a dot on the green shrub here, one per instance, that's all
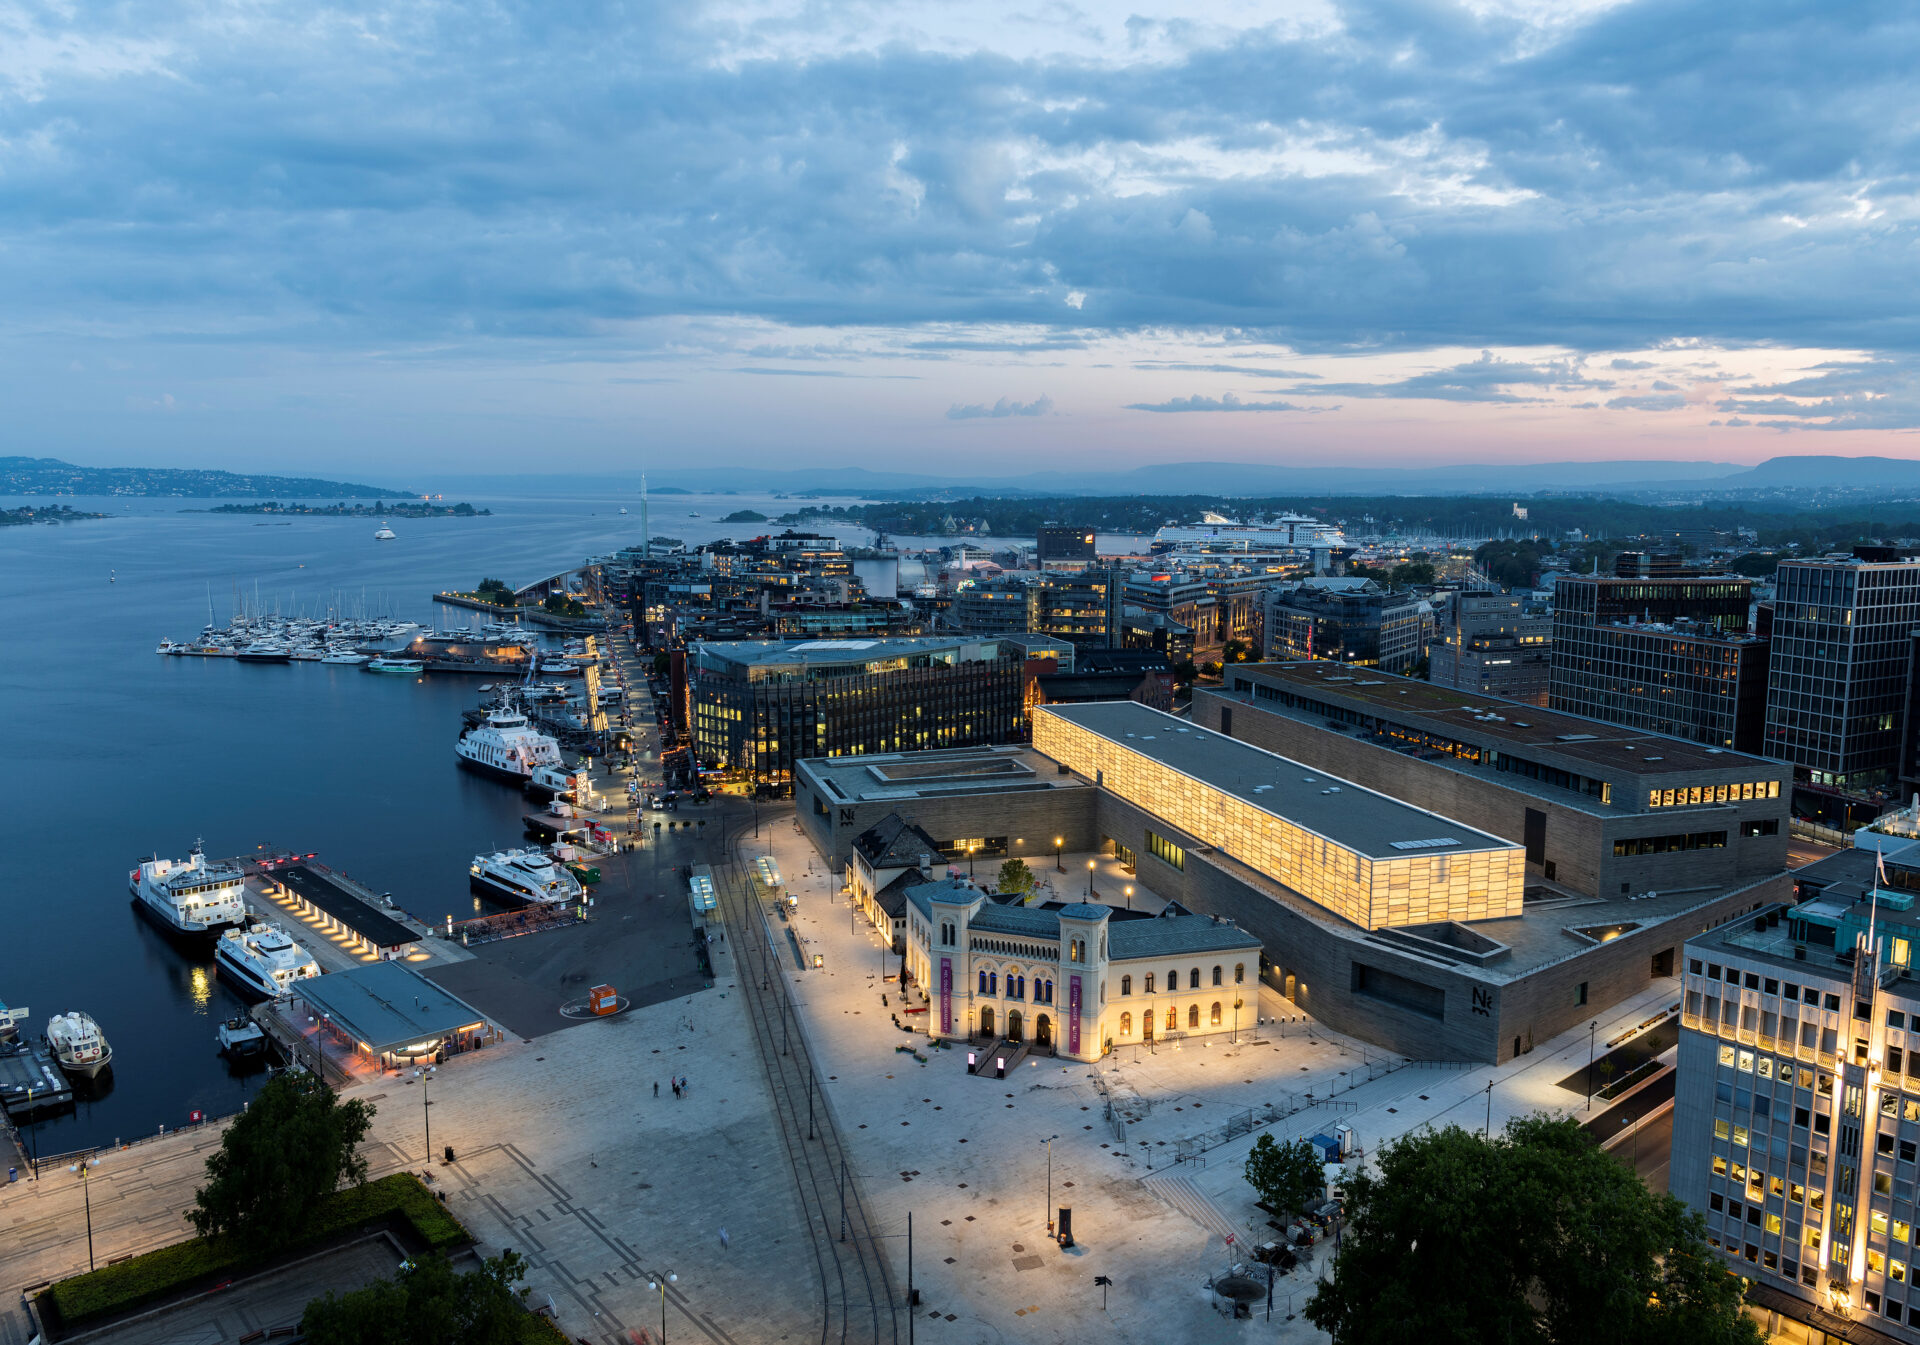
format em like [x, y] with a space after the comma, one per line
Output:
[168, 1270]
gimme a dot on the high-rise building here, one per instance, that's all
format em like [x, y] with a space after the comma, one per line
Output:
[1083, 607]
[757, 706]
[1061, 546]
[1837, 674]
[1493, 644]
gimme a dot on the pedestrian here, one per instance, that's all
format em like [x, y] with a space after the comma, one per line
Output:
[676, 1088]
[656, 1088]
[724, 1242]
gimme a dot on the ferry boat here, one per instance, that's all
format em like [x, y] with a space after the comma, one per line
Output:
[385, 534]
[528, 877]
[506, 746]
[263, 960]
[190, 896]
[405, 667]
[79, 1046]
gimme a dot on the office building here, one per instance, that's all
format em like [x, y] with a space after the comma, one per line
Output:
[1061, 546]
[1837, 672]
[757, 706]
[1660, 647]
[1348, 620]
[1384, 920]
[1796, 1116]
[1492, 644]
[1602, 811]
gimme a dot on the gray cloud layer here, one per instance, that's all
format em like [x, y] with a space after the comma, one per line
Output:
[1001, 409]
[520, 170]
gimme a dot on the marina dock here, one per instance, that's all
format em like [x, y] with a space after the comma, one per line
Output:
[29, 1080]
[351, 917]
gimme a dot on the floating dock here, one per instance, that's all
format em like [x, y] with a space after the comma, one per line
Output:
[29, 1080]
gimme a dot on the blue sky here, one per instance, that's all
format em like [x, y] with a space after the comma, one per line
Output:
[956, 236]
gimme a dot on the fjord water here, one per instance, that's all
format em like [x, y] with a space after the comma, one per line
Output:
[114, 753]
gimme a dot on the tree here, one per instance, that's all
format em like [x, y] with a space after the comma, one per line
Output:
[1412, 574]
[1532, 1237]
[295, 1143]
[1015, 876]
[1287, 1177]
[425, 1301]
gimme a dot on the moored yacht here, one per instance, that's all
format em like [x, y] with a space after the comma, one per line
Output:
[264, 651]
[557, 782]
[351, 657]
[505, 745]
[403, 666]
[78, 1045]
[264, 960]
[524, 878]
[190, 896]
[240, 1037]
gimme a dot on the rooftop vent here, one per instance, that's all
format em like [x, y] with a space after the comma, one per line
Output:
[1573, 737]
[1431, 843]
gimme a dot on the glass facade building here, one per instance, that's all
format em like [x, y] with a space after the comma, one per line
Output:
[1837, 674]
[1360, 855]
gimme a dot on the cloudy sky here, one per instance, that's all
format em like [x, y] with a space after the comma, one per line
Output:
[954, 236]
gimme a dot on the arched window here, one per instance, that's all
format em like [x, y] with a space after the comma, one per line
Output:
[1216, 975]
[1193, 979]
[1126, 985]
[1239, 972]
[1216, 1013]
[1126, 1025]
[1173, 980]
[1018, 988]
[993, 982]
[1049, 992]
[1149, 983]
[983, 980]
[1193, 1015]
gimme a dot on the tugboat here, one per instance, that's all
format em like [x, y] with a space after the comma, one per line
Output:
[190, 897]
[524, 878]
[263, 960]
[79, 1046]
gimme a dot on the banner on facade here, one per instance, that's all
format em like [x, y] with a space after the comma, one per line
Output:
[1073, 1015]
[946, 996]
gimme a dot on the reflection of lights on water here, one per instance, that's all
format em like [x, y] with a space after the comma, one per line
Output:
[200, 987]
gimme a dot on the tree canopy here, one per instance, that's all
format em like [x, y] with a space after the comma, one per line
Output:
[1015, 876]
[1287, 1177]
[295, 1143]
[425, 1301]
[1530, 1238]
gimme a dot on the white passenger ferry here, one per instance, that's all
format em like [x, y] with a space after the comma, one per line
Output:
[190, 896]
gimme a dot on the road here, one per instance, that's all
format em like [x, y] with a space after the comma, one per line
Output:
[1801, 853]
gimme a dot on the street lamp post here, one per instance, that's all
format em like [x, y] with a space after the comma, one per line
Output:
[1488, 1132]
[970, 862]
[661, 1286]
[426, 1118]
[84, 1169]
[1062, 868]
[1089, 880]
[1591, 1028]
[1049, 1143]
[1129, 896]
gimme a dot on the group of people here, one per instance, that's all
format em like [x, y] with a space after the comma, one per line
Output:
[679, 1083]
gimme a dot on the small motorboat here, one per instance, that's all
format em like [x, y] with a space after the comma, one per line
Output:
[241, 1037]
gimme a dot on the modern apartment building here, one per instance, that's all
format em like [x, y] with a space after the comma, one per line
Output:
[754, 707]
[1837, 674]
[1063, 546]
[1796, 1121]
[1492, 644]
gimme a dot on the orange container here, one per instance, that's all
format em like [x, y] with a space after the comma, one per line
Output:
[602, 1000]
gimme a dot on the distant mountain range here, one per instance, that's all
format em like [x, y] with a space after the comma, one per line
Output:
[50, 476]
[1619, 477]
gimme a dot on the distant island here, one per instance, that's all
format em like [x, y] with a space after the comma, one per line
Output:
[404, 509]
[59, 513]
[744, 516]
[50, 476]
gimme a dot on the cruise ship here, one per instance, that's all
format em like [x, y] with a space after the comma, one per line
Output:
[506, 746]
[190, 897]
[1224, 534]
[524, 878]
[263, 960]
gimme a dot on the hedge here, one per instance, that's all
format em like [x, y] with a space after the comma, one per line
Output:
[170, 1270]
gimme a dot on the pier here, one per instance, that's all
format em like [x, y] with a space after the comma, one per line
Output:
[30, 1081]
[335, 906]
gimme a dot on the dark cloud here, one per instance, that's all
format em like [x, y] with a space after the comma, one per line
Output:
[1872, 394]
[1001, 409]
[1483, 380]
[1629, 365]
[1648, 401]
[1224, 402]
